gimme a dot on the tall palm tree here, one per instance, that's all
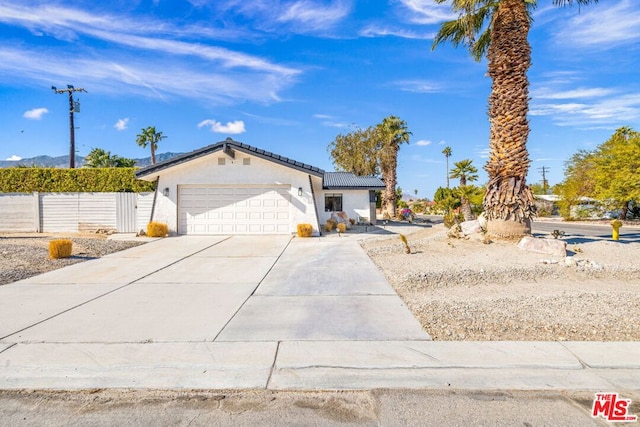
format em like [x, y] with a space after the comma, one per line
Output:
[465, 171]
[393, 132]
[150, 137]
[447, 154]
[499, 29]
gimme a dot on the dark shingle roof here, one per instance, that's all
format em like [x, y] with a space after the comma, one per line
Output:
[235, 145]
[330, 180]
[348, 180]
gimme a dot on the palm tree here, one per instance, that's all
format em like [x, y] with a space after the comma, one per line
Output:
[508, 201]
[392, 132]
[465, 171]
[465, 193]
[99, 158]
[150, 137]
[447, 154]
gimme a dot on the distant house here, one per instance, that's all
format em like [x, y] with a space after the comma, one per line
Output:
[234, 188]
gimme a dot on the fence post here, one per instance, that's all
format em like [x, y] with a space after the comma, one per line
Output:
[36, 214]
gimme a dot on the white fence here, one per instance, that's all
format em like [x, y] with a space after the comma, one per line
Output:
[64, 212]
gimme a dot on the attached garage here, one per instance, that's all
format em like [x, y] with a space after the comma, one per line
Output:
[253, 209]
[233, 188]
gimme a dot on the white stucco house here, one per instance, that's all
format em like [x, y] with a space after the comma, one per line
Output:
[234, 188]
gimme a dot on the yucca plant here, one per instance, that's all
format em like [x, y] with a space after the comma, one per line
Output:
[407, 249]
[60, 248]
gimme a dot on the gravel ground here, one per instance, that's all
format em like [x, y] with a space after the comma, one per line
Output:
[23, 255]
[468, 290]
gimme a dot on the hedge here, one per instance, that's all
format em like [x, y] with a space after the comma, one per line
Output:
[56, 180]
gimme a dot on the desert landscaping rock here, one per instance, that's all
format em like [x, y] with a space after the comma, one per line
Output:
[551, 247]
[466, 290]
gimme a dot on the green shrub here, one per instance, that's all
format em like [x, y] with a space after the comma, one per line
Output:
[157, 229]
[57, 180]
[60, 248]
[451, 218]
[305, 230]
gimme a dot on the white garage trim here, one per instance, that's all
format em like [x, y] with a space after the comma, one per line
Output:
[234, 209]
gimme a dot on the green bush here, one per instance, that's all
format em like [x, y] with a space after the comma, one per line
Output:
[452, 218]
[56, 180]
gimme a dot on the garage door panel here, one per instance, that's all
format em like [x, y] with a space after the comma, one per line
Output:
[234, 210]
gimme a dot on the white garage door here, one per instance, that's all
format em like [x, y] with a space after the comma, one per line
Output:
[234, 210]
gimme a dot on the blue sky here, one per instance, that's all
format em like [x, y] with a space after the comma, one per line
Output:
[288, 76]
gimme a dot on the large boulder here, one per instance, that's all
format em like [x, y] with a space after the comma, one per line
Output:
[543, 246]
[471, 227]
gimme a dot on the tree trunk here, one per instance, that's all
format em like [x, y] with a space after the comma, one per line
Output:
[153, 154]
[508, 199]
[465, 207]
[390, 179]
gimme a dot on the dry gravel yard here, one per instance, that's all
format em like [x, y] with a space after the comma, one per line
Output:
[467, 290]
[23, 255]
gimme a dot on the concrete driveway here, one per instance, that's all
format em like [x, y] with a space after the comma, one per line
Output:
[186, 298]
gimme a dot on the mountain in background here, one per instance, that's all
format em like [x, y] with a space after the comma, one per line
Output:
[63, 161]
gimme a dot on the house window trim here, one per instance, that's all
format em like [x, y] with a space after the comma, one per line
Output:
[338, 196]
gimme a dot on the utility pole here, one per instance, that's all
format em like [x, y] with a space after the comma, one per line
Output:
[544, 171]
[72, 130]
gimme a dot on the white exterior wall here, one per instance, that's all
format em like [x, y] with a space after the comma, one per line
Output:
[206, 171]
[354, 202]
[19, 212]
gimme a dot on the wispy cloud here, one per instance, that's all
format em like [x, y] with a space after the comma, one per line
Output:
[122, 124]
[299, 16]
[35, 114]
[423, 142]
[313, 15]
[602, 26]
[427, 12]
[419, 158]
[233, 128]
[586, 107]
[579, 93]
[139, 58]
[418, 86]
[375, 30]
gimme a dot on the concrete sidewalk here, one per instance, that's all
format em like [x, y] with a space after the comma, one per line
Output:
[261, 313]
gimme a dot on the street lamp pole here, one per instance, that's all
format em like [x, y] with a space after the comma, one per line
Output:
[72, 130]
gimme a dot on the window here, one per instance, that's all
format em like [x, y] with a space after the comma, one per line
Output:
[332, 202]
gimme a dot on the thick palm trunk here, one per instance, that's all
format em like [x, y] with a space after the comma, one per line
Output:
[389, 193]
[465, 207]
[508, 201]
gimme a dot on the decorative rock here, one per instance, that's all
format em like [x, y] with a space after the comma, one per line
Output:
[341, 218]
[543, 246]
[471, 227]
[482, 220]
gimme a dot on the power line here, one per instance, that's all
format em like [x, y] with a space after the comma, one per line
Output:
[545, 184]
[73, 107]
